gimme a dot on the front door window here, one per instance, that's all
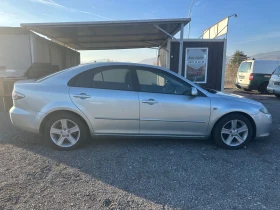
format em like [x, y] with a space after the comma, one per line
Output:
[161, 82]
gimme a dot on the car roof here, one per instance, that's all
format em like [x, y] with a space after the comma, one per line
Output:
[84, 67]
[97, 64]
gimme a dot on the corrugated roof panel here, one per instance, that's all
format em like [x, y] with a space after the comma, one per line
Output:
[109, 34]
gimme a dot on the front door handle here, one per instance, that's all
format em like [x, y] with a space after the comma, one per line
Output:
[149, 101]
[81, 96]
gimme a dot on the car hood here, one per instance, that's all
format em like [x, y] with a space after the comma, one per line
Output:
[238, 98]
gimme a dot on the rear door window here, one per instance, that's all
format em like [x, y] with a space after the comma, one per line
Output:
[112, 78]
[245, 67]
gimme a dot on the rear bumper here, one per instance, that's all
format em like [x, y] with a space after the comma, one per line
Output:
[263, 123]
[246, 86]
[25, 120]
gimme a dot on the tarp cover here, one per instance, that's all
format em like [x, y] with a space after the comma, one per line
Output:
[104, 35]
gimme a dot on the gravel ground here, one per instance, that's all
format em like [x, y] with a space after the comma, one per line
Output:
[140, 173]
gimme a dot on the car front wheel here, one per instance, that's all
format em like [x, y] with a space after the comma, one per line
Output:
[277, 95]
[233, 131]
[65, 131]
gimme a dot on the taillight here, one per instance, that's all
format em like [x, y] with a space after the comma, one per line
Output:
[251, 77]
[17, 96]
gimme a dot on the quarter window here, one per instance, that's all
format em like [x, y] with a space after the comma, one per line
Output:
[161, 82]
[98, 77]
[81, 80]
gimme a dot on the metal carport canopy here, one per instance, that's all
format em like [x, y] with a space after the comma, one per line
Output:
[103, 35]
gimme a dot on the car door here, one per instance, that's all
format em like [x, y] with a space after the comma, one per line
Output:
[106, 96]
[167, 107]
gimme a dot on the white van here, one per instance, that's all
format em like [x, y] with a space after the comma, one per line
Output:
[255, 74]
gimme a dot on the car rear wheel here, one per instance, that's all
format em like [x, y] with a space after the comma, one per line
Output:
[247, 90]
[65, 131]
[233, 131]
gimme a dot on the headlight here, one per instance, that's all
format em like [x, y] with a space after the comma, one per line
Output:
[264, 110]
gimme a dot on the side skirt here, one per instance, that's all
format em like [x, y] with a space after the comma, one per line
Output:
[149, 136]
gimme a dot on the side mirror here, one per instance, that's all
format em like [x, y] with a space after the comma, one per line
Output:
[194, 91]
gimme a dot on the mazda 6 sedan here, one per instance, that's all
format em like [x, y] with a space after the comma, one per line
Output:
[125, 99]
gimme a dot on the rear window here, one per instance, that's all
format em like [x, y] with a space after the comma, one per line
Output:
[48, 76]
[54, 74]
[277, 71]
[245, 67]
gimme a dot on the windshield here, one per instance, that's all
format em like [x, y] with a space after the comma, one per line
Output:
[277, 71]
[245, 67]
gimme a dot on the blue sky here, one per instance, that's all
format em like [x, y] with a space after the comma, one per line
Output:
[256, 29]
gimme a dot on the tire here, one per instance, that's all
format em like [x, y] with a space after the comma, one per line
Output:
[227, 137]
[262, 88]
[277, 95]
[65, 131]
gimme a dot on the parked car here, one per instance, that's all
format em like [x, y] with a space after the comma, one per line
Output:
[125, 99]
[274, 83]
[255, 74]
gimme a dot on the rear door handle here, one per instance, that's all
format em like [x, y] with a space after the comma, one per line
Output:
[81, 96]
[149, 101]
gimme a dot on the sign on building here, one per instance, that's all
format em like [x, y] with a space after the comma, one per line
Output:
[196, 64]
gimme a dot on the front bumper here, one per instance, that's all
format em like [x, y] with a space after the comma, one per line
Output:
[25, 120]
[263, 123]
[273, 89]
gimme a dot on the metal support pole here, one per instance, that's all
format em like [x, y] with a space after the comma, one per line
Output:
[168, 54]
[165, 32]
[227, 26]
[181, 49]
[224, 66]
[158, 54]
[189, 31]
[4, 104]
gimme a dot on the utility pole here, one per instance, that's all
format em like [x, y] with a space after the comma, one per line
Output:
[189, 16]
[234, 15]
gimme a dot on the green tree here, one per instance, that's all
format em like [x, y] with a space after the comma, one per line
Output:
[238, 57]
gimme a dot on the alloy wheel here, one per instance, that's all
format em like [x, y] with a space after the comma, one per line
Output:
[65, 133]
[234, 132]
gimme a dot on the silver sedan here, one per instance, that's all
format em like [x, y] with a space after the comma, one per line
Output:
[124, 99]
